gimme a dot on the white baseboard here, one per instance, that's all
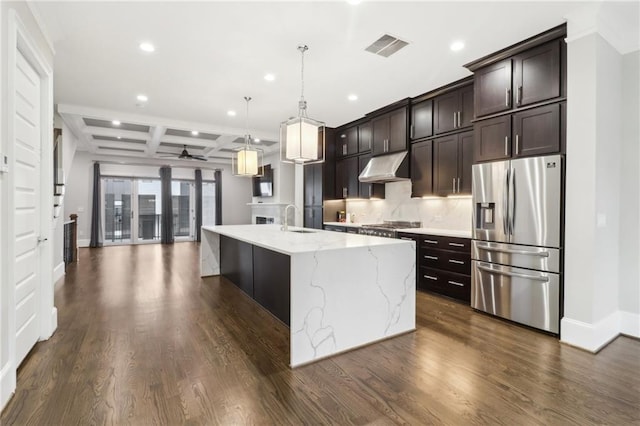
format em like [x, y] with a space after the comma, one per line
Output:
[7, 384]
[630, 324]
[591, 337]
[84, 243]
[58, 272]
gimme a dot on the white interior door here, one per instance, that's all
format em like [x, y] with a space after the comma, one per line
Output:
[26, 212]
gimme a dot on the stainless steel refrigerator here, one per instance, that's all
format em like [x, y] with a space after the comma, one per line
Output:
[516, 248]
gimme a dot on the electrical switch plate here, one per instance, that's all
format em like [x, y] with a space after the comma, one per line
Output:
[4, 163]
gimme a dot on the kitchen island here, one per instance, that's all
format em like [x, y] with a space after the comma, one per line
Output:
[344, 290]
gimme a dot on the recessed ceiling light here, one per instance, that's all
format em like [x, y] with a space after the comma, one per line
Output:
[147, 47]
[231, 113]
[457, 45]
[269, 77]
[256, 140]
[119, 137]
[352, 97]
[194, 132]
[142, 98]
[115, 122]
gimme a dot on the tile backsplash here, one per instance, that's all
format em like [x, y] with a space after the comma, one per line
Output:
[438, 213]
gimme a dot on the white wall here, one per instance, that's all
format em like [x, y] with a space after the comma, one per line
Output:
[7, 370]
[629, 295]
[236, 191]
[602, 224]
[438, 212]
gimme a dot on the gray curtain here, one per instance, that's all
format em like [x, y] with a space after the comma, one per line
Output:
[218, 178]
[166, 219]
[198, 203]
[96, 237]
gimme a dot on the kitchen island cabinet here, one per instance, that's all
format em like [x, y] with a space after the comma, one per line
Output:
[344, 290]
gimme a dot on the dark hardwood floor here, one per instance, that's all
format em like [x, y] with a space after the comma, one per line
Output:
[142, 339]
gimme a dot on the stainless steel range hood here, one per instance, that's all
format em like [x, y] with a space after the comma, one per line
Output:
[386, 168]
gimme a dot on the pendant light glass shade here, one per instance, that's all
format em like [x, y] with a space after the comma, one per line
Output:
[247, 161]
[302, 138]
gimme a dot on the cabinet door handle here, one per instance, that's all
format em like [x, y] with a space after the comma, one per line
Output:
[456, 244]
[507, 95]
[429, 277]
[406, 238]
[458, 262]
[454, 120]
[506, 145]
[412, 131]
[459, 120]
[519, 95]
[344, 149]
[458, 185]
[430, 241]
[454, 185]
[456, 283]
[370, 190]
[344, 192]
[431, 257]
[517, 143]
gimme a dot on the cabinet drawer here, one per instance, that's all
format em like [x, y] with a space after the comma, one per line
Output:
[445, 243]
[449, 284]
[454, 261]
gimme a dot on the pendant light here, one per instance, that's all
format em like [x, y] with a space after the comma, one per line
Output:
[302, 138]
[248, 160]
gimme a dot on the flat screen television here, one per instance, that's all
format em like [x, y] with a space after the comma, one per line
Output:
[263, 185]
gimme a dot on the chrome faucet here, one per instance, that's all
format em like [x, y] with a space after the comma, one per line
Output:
[285, 227]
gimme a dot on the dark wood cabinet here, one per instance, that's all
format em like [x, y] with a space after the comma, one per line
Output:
[364, 137]
[313, 217]
[368, 190]
[453, 110]
[534, 131]
[271, 282]
[537, 131]
[389, 132]
[236, 263]
[313, 184]
[452, 163]
[536, 75]
[346, 141]
[422, 169]
[526, 78]
[347, 183]
[422, 120]
[443, 264]
[492, 87]
[492, 139]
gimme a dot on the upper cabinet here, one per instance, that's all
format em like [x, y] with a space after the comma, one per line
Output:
[389, 132]
[526, 78]
[452, 164]
[364, 137]
[422, 168]
[422, 119]
[453, 110]
[353, 140]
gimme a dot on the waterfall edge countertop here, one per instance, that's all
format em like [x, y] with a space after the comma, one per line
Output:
[312, 240]
[341, 291]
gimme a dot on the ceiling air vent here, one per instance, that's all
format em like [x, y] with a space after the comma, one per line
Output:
[386, 45]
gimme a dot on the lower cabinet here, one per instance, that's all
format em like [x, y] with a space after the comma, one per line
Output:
[313, 217]
[444, 266]
[271, 282]
[263, 274]
[236, 263]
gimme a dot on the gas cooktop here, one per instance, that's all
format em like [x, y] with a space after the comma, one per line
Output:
[388, 228]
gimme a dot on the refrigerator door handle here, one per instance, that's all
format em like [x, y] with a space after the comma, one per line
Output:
[501, 250]
[512, 199]
[505, 204]
[513, 274]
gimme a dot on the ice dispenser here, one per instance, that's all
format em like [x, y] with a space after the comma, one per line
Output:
[485, 215]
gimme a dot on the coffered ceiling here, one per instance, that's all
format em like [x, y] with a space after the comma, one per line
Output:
[209, 55]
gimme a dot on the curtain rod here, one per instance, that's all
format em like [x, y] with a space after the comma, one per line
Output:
[124, 163]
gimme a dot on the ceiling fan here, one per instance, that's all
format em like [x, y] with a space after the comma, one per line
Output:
[184, 155]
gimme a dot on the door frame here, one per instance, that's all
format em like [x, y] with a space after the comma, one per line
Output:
[20, 40]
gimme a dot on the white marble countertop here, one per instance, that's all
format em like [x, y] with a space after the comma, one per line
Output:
[435, 231]
[289, 243]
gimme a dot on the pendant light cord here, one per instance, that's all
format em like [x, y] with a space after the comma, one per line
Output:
[302, 105]
[247, 136]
